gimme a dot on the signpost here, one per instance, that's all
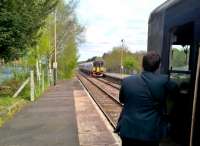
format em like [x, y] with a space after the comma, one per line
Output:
[55, 51]
[121, 66]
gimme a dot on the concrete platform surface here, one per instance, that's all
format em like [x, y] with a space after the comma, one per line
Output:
[64, 116]
[92, 127]
[116, 75]
[50, 121]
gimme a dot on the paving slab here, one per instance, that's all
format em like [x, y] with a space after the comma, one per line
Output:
[50, 121]
[92, 128]
[64, 116]
[116, 75]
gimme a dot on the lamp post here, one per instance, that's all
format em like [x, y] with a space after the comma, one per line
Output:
[55, 51]
[121, 65]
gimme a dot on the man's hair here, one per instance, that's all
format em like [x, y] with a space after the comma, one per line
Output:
[151, 61]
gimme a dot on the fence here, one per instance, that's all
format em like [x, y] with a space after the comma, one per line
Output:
[36, 81]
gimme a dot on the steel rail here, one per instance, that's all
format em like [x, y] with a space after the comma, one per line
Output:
[107, 115]
[110, 96]
[114, 85]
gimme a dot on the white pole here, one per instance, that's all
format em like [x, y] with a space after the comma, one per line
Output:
[42, 81]
[38, 70]
[32, 86]
[21, 88]
[121, 67]
[55, 51]
[195, 100]
[55, 37]
[40, 75]
[49, 72]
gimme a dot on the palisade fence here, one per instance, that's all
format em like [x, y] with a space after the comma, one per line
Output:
[38, 80]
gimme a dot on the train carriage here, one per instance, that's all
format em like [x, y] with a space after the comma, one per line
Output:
[94, 68]
[174, 32]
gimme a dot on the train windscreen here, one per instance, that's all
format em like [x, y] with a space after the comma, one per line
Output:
[98, 63]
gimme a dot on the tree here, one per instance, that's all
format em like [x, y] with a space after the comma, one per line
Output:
[20, 24]
[179, 59]
[69, 36]
[131, 61]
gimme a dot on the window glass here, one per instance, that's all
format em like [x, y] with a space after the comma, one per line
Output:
[179, 57]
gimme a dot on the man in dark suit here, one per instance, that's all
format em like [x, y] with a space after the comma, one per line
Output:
[142, 121]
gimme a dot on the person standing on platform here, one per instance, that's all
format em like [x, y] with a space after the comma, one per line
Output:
[143, 121]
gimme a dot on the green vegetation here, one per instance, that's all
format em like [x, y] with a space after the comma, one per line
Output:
[7, 101]
[8, 107]
[27, 42]
[131, 61]
[70, 35]
[20, 23]
[179, 59]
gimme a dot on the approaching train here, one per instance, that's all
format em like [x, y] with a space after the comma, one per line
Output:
[174, 29]
[94, 68]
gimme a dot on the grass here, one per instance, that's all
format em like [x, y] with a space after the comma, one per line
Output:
[5, 103]
[8, 101]
[7, 90]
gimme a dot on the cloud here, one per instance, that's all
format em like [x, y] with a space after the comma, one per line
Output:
[108, 21]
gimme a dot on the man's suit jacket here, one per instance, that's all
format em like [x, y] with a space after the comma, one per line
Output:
[143, 97]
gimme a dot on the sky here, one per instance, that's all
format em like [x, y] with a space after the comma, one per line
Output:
[107, 22]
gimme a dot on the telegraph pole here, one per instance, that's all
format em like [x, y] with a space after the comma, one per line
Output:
[55, 51]
[121, 66]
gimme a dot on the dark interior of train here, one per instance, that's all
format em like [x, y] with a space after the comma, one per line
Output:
[182, 48]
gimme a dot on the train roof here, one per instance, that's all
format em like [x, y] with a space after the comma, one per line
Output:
[91, 62]
[173, 15]
[163, 7]
[181, 9]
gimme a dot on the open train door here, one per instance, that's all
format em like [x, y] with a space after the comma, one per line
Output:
[174, 32]
[182, 68]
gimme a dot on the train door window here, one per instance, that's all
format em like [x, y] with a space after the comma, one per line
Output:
[180, 57]
[179, 63]
[180, 52]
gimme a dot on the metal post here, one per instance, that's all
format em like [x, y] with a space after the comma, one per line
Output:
[121, 66]
[195, 100]
[38, 70]
[50, 79]
[55, 51]
[43, 81]
[40, 75]
[32, 86]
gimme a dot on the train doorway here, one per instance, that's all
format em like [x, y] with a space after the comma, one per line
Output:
[174, 32]
[182, 68]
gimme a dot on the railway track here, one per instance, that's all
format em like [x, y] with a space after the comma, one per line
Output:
[105, 87]
[105, 96]
[114, 85]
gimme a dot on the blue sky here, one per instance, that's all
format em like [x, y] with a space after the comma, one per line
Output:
[109, 21]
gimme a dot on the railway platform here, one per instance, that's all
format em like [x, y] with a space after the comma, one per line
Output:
[64, 116]
[116, 75]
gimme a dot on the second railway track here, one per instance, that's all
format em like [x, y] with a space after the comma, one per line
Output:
[107, 102]
[114, 85]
